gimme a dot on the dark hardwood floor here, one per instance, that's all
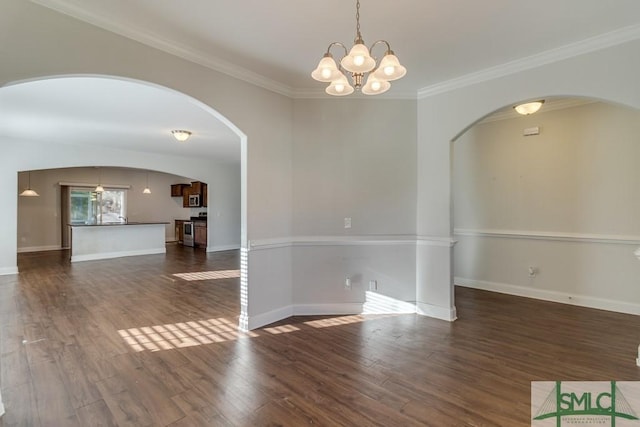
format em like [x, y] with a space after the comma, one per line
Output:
[135, 342]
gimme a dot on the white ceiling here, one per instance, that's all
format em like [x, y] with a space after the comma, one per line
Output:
[120, 114]
[278, 42]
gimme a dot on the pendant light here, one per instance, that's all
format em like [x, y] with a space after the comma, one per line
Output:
[99, 187]
[29, 192]
[147, 190]
[366, 74]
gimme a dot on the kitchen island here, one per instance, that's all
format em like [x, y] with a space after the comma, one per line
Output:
[104, 241]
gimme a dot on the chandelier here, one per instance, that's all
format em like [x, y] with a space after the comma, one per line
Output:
[362, 67]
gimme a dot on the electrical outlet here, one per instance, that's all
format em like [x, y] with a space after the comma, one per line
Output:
[533, 271]
[347, 283]
[373, 285]
[347, 223]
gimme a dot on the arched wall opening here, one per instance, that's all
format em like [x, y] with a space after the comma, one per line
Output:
[553, 214]
[24, 150]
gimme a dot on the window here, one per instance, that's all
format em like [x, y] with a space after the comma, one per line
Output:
[88, 207]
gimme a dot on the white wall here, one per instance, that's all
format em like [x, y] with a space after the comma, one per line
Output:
[608, 74]
[285, 161]
[39, 218]
[566, 202]
[353, 158]
[37, 42]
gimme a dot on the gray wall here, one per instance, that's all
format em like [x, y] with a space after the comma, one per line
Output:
[566, 202]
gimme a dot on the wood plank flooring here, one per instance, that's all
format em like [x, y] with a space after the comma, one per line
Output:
[126, 342]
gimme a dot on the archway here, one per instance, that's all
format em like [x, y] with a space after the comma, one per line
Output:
[57, 137]
[544, 206]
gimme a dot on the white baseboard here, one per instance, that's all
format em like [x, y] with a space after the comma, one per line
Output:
[554, 296]
[7, 271]
[436, 311]
[222, 248]
[260, 320]
[327, 309]
[39, 249]
[109, 255]
[341, 309]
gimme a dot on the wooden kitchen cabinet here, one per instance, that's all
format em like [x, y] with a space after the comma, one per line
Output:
[185, 197]
[177, 190]
[200, 234]
[196, 187]
[205, 194]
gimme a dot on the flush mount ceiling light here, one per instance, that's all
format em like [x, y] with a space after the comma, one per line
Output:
[181, 135]
[29, 192]
[529, 107]
[360, 65]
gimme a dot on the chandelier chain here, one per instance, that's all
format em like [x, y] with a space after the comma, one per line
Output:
[359, 36]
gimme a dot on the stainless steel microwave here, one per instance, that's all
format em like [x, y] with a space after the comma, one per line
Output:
[194, 200]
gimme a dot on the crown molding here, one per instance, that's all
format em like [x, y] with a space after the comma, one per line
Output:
[582, 47]
[177, 49]
[205, 59]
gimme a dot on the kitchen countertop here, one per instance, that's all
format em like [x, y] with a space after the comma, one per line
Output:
[120, 223]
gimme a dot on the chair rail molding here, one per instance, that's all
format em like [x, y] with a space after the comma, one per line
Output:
[549, 235]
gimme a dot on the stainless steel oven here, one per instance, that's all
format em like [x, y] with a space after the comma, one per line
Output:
[188, 230]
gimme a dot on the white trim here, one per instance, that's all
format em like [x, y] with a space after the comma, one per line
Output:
[109, 255]
[443, 313]
[327, 309]
[275, 243]
[260, 320]
[156, 41]
[90, 185]
[435, 241]
[548, 295]
[8, 271]
[591, 44]
[39, 249]
[550, 235]
[340, 309]
[361, 240]
[365, 240]
[1, 406]
[222, 248]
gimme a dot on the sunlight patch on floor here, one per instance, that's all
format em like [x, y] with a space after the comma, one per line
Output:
[212, 331]
[209, 275]
[345, 320]
[182, 334]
